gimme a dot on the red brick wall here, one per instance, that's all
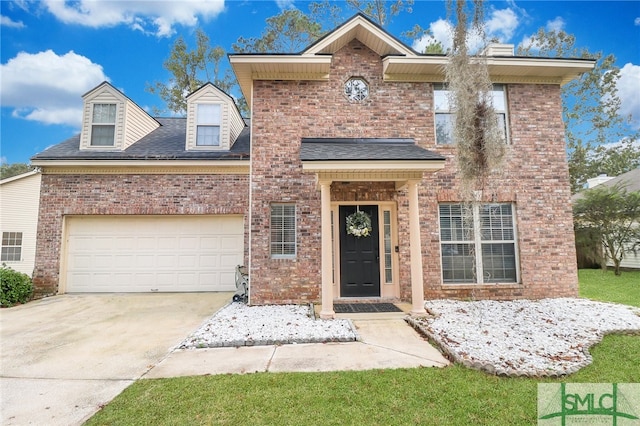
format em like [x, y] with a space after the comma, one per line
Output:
[126, 195]
[535, 178]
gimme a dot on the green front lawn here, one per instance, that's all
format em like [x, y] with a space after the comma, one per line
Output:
[605, 286]
[453, 395]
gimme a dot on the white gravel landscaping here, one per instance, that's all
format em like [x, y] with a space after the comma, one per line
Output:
[549, 337]
[240, 325]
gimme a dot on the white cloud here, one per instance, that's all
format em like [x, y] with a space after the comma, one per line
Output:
[637, 21]
[501, 25]
[5, 21]
[442, 31]
[557, 24]
[46, 87]
[628, 93]
[66, 116]
[285, 4]
[156, 17]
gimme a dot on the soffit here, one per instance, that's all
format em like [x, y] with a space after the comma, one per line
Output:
[501, 69]
[143, 167]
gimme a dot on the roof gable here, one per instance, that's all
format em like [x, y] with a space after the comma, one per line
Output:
[205, 89]
[105, 87]
[367, 32]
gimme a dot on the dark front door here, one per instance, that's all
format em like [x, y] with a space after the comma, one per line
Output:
[359, 257]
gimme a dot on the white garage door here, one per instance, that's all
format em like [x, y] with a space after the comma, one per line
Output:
[153, 253]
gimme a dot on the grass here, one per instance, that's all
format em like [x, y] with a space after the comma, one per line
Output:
[454, 395]
[597, 284]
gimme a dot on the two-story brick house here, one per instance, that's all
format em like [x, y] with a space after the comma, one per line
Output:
[357, 122]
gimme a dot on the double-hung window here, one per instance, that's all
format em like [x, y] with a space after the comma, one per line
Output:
[103, 125]
[283, 231]
[11, 247]
[445, 113]
[478, 243]
[445, 117]
[208, 119]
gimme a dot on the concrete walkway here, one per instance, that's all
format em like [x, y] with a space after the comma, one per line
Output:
[384, 342]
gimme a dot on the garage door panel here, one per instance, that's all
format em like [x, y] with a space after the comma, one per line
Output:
[229, 242]
[145, 261]
[145, 243]
[143, 280]
[102, 243]
[187, 261]
[125, 261]
[166, 243]
[228, 260]
[189, 243]
[210, 243]
[151, 253]
[165, 279]
[80, 261]
[105, 262]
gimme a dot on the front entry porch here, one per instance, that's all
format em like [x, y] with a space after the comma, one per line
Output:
[349, 160]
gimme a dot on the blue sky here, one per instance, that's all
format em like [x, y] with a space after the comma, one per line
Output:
[54, 51]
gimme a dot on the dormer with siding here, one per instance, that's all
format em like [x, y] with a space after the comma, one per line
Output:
[213, 120]
[111, 121]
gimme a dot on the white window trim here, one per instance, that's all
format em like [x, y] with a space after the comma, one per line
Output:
[436, 111]
[212, 123]
[477, 242]
[21, 245]
[295, 233]
[114, 124]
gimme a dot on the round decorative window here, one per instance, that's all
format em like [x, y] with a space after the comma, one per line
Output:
[356, 89]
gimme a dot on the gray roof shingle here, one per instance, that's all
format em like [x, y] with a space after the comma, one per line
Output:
[368, 149]
[167, 142]
[629, 181]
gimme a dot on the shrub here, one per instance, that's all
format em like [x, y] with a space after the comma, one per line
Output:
[15, 287]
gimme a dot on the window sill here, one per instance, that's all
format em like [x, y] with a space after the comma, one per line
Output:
[101, 148]
[208, 148]
[450, 286]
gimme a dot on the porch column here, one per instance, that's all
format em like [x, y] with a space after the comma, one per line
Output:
[417, 285]
[327, 270]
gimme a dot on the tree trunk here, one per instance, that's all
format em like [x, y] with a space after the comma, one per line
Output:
[616, 267]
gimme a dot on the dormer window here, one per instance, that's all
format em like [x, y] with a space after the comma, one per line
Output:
[208, 124]
[103, 125]
[213, 120]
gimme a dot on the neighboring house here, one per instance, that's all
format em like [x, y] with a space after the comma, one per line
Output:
[19, 201]
[356, 122]
[630, 181]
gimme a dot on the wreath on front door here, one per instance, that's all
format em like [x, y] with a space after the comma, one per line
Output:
[359, 224]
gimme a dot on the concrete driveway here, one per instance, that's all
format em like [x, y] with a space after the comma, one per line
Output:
[64, 357]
